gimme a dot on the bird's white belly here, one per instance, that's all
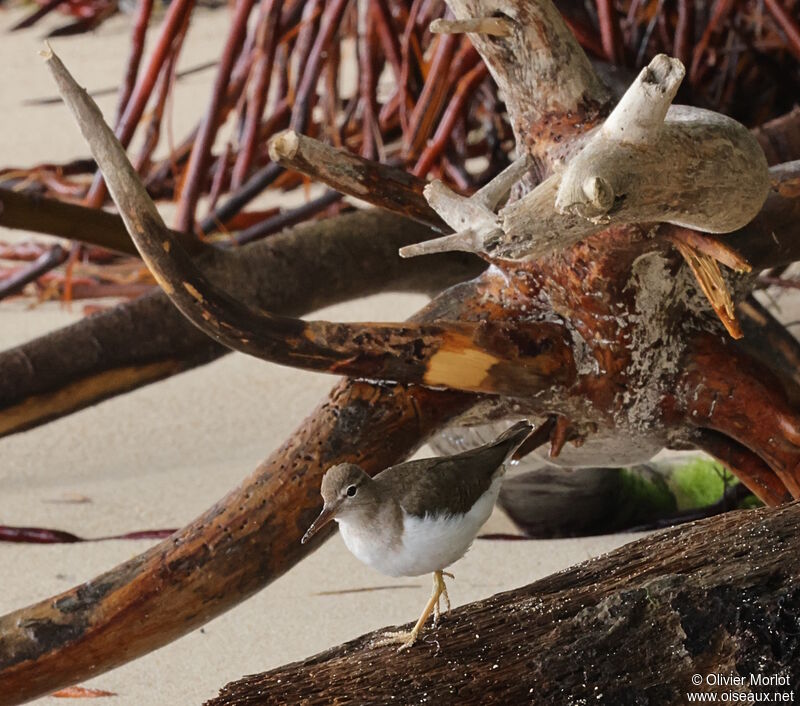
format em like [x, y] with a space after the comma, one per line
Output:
[428, 543]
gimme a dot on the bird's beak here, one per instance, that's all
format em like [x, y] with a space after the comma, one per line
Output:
[324, 517]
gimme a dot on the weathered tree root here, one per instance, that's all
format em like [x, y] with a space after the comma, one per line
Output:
[169, 345]
[478, 357]
[727, 392]
[621, 302]
[648, 162]
[231, 551]
[718, 596]
[695, 159]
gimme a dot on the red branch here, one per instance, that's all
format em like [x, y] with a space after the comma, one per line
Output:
[201, 150]
[787, 24]
[176, 14]
[266, 42]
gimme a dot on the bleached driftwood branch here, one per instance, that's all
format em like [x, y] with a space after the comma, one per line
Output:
[683, 165]
[473, 218]
[491, 26]
[379, 184]
[648, 163]
[547, 82]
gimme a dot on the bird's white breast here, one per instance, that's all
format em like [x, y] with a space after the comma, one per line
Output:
[428, 543]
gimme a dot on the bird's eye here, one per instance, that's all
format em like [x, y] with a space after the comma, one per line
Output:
[351, 491]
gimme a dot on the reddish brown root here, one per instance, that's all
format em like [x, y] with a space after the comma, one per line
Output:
[745, 465]
[729, 392]
[559, 436]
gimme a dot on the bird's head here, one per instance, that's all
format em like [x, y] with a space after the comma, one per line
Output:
[345, 490]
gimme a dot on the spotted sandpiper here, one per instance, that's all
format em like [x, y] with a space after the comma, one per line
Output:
[417, 517]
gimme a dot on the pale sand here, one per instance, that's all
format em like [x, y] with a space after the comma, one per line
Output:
[159, 456]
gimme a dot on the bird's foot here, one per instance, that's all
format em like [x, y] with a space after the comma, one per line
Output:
[405, 638]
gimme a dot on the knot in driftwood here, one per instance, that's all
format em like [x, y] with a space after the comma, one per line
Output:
[652, 162]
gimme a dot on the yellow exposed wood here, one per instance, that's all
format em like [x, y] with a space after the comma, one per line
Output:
[460, 368]
[193, 291]
[708, 275]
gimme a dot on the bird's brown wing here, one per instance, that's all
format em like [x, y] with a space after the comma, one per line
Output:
[449, 484]
[441, 486]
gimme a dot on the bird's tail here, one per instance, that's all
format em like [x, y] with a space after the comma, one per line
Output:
[512, 437]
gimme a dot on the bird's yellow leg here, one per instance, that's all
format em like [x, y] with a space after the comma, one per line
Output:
[440, 586]
[408, 638]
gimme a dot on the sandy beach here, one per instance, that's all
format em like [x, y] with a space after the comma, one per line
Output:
[158, 457]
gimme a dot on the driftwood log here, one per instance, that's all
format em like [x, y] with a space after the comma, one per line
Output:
[610, 334]
[633, 626]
